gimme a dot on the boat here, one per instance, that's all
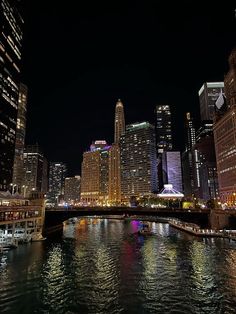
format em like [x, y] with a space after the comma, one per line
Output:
[7, 243]
[37, 236]
[145, 230]
[70, 221]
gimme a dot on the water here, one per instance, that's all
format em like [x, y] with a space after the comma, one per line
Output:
[104, 266]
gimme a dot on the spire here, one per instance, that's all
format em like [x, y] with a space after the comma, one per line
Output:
[119, 121]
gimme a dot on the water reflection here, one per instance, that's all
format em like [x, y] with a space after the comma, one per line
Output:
[104, 266]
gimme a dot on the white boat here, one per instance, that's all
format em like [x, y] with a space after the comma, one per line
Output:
[145, 230]
[37, 236]
[72, 220]
[6, 242]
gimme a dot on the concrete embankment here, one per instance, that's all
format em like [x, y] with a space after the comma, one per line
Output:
[197, 231]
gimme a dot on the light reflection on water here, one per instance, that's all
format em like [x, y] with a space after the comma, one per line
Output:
[104, 266]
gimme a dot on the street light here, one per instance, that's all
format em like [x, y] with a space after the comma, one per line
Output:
[24, 189]
[13, 188]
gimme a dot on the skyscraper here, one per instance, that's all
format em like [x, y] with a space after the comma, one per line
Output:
[203, 152]
[190, 132]
[163, 128]
[225, 138]
[172, 172]
[95, 174]
[114, 156]
[34, 170]
[208, 94]
[57, 174]
[72, 190]
[163, 138]
[187, 157]
[230, 79]
[18, 168]
[204, 163]
[90, 175]
[119, 122]
[138, 160]
[11, 25]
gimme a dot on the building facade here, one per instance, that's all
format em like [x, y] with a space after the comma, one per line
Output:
[138, 161]
[225, 138]
[11, 24]
[56, 187]
[18, 167]
[163, 138]
[225, 146]
[34, 170]
[119, 121]
[208, 94]
[114, 156]
[187, 157]
[95, 174]
[172, 170]
[163, 128]
[20, 214]
[204, 167]
[72, 190]
[230, 80]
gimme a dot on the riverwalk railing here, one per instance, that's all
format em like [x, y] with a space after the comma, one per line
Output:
[197, 231]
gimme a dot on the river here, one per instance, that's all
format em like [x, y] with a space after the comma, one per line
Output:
[104, 266]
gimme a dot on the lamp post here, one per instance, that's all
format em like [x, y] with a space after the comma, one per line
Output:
[13, 188]
[11, 184]
[24, 189]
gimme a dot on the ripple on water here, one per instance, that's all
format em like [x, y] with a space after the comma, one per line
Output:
[105, 267]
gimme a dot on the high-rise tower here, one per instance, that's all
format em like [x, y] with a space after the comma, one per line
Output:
[163, 128]
[138, 160]
[224, 128]
[208, 94]
[163, 137]
[18, 168]
[114, 156]
[95, 174]
[11, 25]
[187, 156]
[35, 173]
[230, 79]
[57, 174]
[119, 122]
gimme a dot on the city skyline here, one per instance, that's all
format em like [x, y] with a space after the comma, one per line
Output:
[73, 87]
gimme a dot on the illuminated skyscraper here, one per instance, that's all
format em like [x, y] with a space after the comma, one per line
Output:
[18, 170]
[208, 94]
[138, 160]
[225, 138]
[72, 189]
[230, 80]
[35, 173]
[11, 25]
[172, 172]
[163, 128]
[95, 174]
[187, 156]
[163, 138]
[203, 152]
[114, 156]
[57, 174]
[119, 122]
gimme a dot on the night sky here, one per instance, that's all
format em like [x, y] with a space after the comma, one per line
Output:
[80, 58]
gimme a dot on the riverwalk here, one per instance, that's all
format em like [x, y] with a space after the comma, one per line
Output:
[199, 232]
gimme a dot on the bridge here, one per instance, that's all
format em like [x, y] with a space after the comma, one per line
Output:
[55, 216]
[206, 218]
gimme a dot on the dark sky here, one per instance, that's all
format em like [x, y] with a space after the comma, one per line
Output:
[80, 58]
